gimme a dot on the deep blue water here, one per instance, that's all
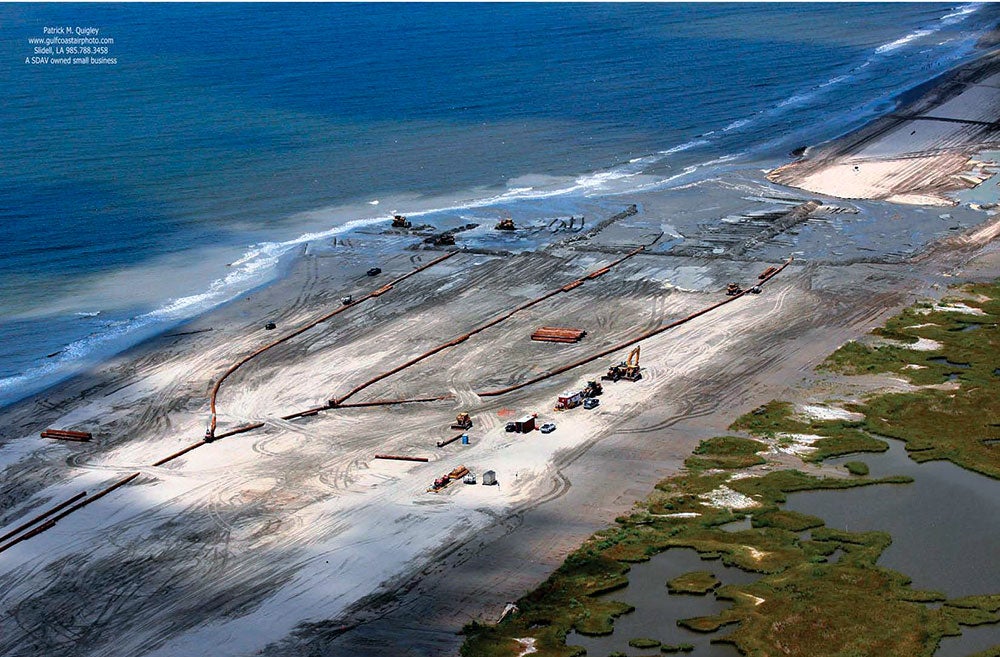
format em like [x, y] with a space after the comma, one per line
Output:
[126, 189]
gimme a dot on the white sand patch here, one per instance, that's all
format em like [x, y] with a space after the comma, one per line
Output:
[916, 326]
[527, 646]
[681, 514]
[725, 497]
[798, 444]
[754, 553]
[912, 366]
[829, 413]
[744, 475]
[920, 199]
[959, 308]
[801, 438]
[756, 600]
[922, 344]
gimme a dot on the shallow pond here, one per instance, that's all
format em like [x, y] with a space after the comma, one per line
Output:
[945, 529]
[945, 526]
[946, 536]
[657, 611]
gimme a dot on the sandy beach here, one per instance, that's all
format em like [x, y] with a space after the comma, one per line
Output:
[293, 540]
[917, 154]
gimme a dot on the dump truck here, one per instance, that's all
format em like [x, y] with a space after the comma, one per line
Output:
[462, 421]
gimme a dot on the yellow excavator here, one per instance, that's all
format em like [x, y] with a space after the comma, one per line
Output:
[399, 221]
[628, 369]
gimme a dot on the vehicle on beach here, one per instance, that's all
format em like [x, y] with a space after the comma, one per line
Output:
[591, 403]
[374, 271]
[511, 427]
[348, 300]
[548, 427]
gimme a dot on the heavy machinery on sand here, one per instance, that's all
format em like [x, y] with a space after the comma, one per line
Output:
[462, 421]
[628, 369]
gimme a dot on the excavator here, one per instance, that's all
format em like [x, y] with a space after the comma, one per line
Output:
[399, 221]
[628, 369]
[505, 224]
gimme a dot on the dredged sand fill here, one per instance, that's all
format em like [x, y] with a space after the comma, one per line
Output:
[916, 155]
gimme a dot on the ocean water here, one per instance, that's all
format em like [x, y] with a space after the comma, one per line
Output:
[138, 194]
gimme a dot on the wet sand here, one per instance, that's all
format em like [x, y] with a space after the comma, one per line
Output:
[293, 540]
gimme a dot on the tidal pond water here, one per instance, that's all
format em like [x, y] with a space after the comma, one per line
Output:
[945, 528]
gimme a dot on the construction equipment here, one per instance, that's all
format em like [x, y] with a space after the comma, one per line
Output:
[756, 289]
[628, 369]
[592, 389]
[733, 289]
[443, 482]
[444, 239]
[767, 273]
[505, 224]
[470, 478]
[347, 300]
[399, 221]
[462, 421]
[490, 478]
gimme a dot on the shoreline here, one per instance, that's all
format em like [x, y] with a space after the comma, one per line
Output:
[945, 121]
[474, 198]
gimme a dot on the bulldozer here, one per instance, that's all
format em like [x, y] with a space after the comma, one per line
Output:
[399, 221]
[462, 421]
[733, 289]
[592, 389]
[628, 369]
[444, 239]
[505, 224]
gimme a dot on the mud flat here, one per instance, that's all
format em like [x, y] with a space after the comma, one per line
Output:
[918, 154]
